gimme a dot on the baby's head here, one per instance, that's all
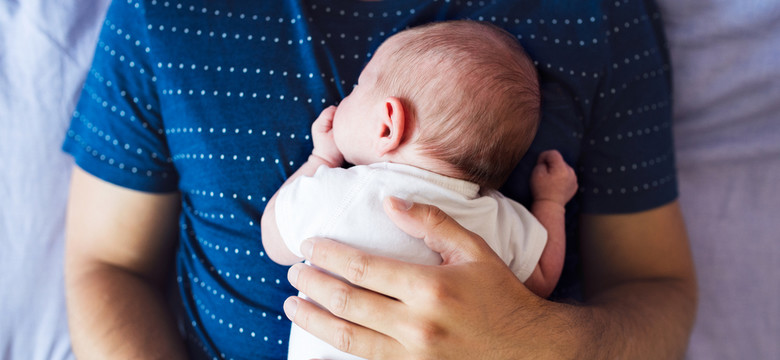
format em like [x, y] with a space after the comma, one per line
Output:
[460, 98]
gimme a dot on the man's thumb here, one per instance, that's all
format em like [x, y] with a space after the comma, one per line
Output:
[439, 231]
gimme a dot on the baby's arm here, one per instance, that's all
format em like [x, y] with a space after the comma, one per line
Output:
[325, 153]
[553, 184]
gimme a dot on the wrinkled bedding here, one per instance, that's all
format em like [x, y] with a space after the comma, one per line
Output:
[726, 67]
[46, 47]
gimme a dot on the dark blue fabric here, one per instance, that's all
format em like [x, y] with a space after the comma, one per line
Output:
[215, 100]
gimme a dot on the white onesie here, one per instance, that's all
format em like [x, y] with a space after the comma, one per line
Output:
[346, 205]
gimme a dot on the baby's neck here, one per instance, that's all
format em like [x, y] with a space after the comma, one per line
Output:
[420, 160]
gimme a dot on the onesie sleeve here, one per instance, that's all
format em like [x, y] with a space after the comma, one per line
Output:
[627, 161]
[529, 247]
[116, 132]
[305, 207]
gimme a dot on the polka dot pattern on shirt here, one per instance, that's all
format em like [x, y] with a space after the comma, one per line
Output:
[215, 100]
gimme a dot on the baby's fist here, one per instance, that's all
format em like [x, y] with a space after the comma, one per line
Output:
[322, 138]
[553, 179]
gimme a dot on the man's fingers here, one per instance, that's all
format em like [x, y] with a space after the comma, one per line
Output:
[376, 273]
[341, 334]
[440, 232]
[352, 303]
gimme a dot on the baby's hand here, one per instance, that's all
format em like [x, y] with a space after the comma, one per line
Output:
[553, 179]
[322, 137]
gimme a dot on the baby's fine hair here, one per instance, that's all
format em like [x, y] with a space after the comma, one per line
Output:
[471, 93]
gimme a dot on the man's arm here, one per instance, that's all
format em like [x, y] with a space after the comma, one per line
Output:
[639, 282]
[639, 276]
[119, 251]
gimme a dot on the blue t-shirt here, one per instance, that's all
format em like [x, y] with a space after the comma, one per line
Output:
[215, 100]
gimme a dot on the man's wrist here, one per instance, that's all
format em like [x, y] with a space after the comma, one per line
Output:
[586, 331]
[567, 333]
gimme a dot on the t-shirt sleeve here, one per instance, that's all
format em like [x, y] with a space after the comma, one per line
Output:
[117, 132]
[627, 161]
[307, 206]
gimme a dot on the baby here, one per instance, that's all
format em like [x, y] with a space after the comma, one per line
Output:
[440, 115]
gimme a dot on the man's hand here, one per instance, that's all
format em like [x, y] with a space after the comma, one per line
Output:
[322, 137]
[470, 307]
[552, 179]
[640, 290]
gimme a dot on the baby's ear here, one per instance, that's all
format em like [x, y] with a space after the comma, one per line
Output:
[393, 124]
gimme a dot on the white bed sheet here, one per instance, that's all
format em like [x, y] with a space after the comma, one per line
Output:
[726, 66]
[46, 47]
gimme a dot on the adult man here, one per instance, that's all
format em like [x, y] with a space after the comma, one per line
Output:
[176, 105]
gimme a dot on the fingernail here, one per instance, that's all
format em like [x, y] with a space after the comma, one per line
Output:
[290, 307]
[306, 248]
[400, 204]
[292, 274]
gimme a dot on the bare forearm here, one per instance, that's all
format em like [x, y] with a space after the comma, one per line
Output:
[553, 183]
[639, 283]
[638, 320]
[553, 217]
[649, 319]
[116, 315]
